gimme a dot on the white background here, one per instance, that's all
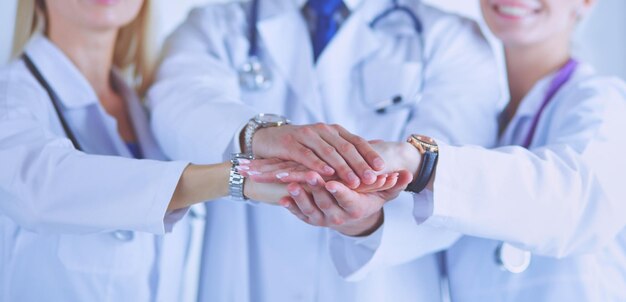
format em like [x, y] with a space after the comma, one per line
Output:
[601, 39]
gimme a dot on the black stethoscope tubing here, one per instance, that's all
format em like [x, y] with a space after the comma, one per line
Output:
[56, 102]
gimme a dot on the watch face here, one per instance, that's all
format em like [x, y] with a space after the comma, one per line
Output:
[269, 119]
[426, 140]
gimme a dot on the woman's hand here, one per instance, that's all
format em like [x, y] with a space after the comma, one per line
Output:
[397, 156]
[274, 171]
[270, 193]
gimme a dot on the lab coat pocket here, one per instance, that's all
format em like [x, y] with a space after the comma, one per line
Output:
[391, 86]
[99, 253]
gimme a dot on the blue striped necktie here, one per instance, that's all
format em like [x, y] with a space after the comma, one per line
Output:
[326, 24]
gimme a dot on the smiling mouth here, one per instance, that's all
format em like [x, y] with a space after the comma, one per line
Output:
[512, 11]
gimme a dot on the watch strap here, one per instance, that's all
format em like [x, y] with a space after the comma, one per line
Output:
[249, 132]
[235, 180]
[425, 173]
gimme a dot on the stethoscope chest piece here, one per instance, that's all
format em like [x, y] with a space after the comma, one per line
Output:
[254, 76]
[512, 259]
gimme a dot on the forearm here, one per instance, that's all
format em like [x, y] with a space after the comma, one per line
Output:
[200, 183]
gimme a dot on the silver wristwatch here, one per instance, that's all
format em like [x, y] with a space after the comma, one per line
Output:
[263, 120]
[235, 179]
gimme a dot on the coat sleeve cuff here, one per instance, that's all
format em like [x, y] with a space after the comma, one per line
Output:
[349, 254]
[158, 221]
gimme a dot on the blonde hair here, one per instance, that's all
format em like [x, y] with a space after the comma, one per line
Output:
[135, 48]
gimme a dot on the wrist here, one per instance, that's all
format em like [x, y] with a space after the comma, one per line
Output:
[364, 227]
[257, 141]
[410, 158]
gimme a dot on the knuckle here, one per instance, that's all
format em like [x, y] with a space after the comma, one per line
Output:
[361, 142]
[320, 126]
[345, 147]
[345, 170]
[336, 220]
[306, 131]
[309, 212]
[355, 214]
[305, 152]
[317, 220]
[328, 151]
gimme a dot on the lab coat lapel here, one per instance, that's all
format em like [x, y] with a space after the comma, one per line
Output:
[139, 119]
[355, 42]
[286, 41]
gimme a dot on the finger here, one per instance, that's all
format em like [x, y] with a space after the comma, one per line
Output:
[355, 163]
[380, 181]
[333, 213]
[271, 166]
[307, 157]
[404, 178]
[305, 204]
[346, 198]
[330, 154]
[387, 184]
[291, 206]
[391, 182]
[372, 157]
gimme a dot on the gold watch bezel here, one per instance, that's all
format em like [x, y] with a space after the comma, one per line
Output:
[423, 143]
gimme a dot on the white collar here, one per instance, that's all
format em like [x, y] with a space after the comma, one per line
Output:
[63, 76]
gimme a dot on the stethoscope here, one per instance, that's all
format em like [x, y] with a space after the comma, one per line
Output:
[254, 75]
[508, 257]
[121, 235]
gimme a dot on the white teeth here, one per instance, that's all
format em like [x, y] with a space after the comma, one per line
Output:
[514, 11]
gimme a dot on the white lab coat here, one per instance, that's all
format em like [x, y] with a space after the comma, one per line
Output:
[80, 226]
[262, 253]
[562, 200]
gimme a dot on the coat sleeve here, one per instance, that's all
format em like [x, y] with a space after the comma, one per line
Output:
[196, 107]
[460, 103]
[565, 197]
[47, 186]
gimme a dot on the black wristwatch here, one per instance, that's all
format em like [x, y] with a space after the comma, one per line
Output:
[429, 150]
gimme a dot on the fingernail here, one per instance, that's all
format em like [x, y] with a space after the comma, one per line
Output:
[329, 170]
[379, 163]
[312, 182]
[254, 173]
[242, 168]
[332, 190]
[282, 175]
[294, 192]
[243, 161]
[369, 175]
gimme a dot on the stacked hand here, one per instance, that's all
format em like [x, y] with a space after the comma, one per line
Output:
[330, 150]
[330, 200]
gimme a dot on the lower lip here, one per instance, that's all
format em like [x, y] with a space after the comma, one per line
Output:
[106, 2]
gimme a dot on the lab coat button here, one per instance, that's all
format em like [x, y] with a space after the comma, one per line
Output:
[124, 235]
